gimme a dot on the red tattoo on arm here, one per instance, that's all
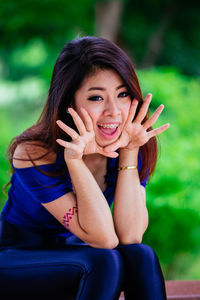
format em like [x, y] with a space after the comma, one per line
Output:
[68, 216]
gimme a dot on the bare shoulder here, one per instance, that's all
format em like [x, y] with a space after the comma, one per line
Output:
[32, 150]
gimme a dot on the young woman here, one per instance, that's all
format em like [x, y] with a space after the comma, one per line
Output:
[92, 147]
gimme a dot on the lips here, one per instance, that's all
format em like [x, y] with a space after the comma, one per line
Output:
[108, 130]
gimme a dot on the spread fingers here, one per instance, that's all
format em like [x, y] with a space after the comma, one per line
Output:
[154, 117]
[71, 132]
[77, 120]
[157, 131]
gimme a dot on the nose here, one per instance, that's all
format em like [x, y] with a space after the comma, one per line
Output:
[112, 108]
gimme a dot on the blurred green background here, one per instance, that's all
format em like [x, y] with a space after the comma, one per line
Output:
[163, 39]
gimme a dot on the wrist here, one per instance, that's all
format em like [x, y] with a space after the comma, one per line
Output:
[128, 157]
[126, 151]
[73, 161]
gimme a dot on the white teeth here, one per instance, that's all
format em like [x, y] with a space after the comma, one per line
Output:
[109, 125]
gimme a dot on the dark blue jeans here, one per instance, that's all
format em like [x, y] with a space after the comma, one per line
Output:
[77, 271]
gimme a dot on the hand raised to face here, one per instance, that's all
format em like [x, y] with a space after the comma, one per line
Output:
[83, 143]
[134, 133]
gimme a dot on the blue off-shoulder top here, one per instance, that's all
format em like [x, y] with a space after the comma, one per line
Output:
[30, 188]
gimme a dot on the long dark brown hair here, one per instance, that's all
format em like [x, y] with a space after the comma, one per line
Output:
[78, 59]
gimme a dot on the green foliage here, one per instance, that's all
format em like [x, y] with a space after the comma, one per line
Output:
[172, 233]
[180, 145]
[161, 32]
[53, 21]
[154, 32]
[20, 110]
[174, 191]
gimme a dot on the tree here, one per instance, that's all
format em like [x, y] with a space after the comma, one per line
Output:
[108, 19]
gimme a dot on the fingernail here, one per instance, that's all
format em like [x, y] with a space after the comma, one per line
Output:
[70, 109]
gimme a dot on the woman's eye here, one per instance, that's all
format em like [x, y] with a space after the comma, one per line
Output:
[95, 98]
[123, 94]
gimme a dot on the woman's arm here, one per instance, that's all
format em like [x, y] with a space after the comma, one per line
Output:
[86, 212]
[129, 210]
[94, 214]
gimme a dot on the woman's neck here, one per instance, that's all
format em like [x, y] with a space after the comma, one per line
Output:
[97, 164]
[95, 158]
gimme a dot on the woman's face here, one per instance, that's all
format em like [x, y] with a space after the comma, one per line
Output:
[107, 101]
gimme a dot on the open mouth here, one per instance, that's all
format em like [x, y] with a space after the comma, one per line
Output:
[108, 131]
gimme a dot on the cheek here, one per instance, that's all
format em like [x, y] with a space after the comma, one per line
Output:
[126, 109]
[93, 113]
[94, 117]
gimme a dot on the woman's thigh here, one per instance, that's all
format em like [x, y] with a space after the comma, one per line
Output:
[52, 273]
[37, 272]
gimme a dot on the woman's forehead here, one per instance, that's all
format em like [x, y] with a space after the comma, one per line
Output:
[101, 78]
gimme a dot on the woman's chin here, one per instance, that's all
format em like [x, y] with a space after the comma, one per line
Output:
[104, 143]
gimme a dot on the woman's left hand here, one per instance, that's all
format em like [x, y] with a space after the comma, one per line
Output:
[134, 133]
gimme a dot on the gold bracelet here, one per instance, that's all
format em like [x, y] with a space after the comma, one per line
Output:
[127, 168]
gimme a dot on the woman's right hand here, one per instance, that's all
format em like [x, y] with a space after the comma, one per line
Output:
[83, 143]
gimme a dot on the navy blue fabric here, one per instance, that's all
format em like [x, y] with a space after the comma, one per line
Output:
[35, 270]
[30, 188]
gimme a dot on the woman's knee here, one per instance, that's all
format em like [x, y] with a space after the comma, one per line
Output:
[106, 267]
[108, 259]
[138, 252]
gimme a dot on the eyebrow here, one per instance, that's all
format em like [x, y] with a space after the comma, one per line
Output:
[103, 89]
